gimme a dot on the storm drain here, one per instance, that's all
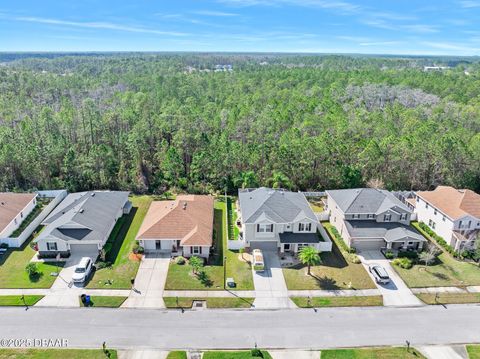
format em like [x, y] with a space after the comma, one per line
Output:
[199, 304]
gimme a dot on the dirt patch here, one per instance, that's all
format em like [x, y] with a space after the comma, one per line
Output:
[135, 257]
[245, 257]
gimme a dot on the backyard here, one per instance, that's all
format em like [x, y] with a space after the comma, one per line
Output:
[12, 269]
[181, 277]
[124, 266]
[335, 272]
[41, 204]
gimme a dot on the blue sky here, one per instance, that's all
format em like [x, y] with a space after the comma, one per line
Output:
[442, 27]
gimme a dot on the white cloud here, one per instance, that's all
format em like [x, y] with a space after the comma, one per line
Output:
[469, 4]
[97, 25]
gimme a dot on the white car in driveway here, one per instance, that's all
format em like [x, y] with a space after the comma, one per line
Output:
[82, 270]
[258, 262]
[379, 273]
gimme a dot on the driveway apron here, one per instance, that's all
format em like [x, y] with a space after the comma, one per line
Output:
[149, 282]
[270, 288]
[396, 293]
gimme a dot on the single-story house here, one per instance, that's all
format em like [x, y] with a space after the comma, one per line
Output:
[180, 227]
[81, 223]
[14, 208]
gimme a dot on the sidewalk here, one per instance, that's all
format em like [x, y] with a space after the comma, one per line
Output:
[334, 293]
[470, 289]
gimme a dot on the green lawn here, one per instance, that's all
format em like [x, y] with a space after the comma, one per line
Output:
[105, 301]
[213, 302]
[12, 269]
[177, 354]
[371, 353]
[449, 298]
[180, 277]
[124, 268]
[334, 273]
[316, 206]
[243, 354]
[55, 353]
[447, 271]
[357, 301]
[16, 300]
[473, 351]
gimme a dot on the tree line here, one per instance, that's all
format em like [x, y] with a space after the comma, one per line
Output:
[142, 122]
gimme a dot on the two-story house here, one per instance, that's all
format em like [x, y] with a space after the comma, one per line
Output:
[372, 219]
[274, 219]
[453, 214]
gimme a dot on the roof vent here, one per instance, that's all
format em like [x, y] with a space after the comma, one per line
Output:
[3, 203]
[93, 194]
[82, 210]
[184, 205]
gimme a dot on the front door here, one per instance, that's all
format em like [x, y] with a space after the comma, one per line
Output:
[158, 245]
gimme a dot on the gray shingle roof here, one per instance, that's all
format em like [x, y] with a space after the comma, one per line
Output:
[389, 231]
[84, 216]
[366, 200]
[278, 206]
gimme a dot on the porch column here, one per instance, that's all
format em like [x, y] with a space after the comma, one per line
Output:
[389, 245]
[420, 246]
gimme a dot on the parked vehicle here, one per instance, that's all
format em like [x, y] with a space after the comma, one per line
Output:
[83, 270]
[258, 263]
[379, 273]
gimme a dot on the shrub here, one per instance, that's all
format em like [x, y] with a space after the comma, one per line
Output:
[348, 252]
[353, 258]
[408, 254]
[437, 238]
[180, 260]
[4, 245]
[256, 353]
[102, 264]
[32, 270]
[140, 250]
[405, 263]
[389, 254]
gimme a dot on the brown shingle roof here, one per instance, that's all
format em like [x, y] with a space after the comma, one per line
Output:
[455, 203]
[11, 204]
[189, 218]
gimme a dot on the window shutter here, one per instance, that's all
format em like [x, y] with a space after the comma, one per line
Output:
[200, 250]
[271, 228]
[258, 228]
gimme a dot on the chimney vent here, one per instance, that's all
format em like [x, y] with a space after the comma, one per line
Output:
[184, 205]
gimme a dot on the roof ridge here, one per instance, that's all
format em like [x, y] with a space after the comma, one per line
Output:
[360, 190]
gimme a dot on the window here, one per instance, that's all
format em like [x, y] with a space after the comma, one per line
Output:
[370, 216]
[387, 217]
[435, 211]
[51, 246]
[15, 221]
[304, 227]
[444, 218]
[264, 228]
[431, 224]
[426, 205]
[196, 250]
[418, 199]
[356, 216]
[21, 214]
[403, 217]
[286, 247]
[301, 245]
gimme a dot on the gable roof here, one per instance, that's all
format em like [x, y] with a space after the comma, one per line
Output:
[278, 206]
[11, 204]
[455, 203]
[389, 231]
[366, 200]
[189, 219]
[84, 216]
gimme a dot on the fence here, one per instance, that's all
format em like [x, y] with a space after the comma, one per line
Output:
[326, 245]
[323, 216]
[57, 196]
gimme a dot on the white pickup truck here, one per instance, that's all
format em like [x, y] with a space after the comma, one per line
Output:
[258, 263]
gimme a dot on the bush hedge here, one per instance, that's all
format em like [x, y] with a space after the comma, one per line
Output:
[405, 263]
[347, 252]
[430, 233]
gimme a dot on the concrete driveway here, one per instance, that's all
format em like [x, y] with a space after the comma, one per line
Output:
[396, 293]
[270, 289]
[64, 293]
[149, 282]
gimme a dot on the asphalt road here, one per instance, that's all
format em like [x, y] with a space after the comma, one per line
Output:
[301, 328]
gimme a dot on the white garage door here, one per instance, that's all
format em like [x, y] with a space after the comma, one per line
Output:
[368, 245]
[84, 250]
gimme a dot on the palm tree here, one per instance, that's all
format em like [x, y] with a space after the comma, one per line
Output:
[309, 256]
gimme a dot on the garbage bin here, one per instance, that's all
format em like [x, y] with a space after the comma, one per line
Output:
[83, 298]
[87, 300]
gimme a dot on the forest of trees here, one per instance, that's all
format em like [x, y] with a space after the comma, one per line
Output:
[149, 123]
